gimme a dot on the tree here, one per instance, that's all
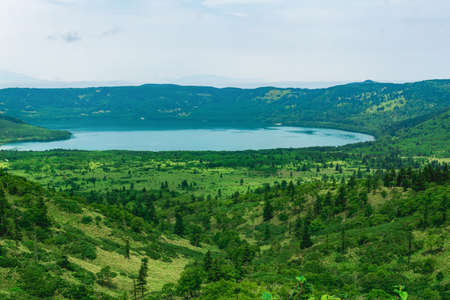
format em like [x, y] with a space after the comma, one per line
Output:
[127, 249]
[179, 227]
[268, 211]
[343, 238]
[207, 261]
[195, 236]
[3, 212]
[37, 281]
[306, 241]
[40, 214]
[341, 198]
[190, 282]
[142, 276]
[105, 277]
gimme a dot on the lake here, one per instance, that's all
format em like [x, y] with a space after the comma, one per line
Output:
[197, 139]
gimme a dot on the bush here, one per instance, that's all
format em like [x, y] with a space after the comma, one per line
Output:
[283, 217]
[105, 277]
[8, 262]
[82, 249]
[77, 292]
[69, 206]
[36, 281]
[87, 278]
[86, 220]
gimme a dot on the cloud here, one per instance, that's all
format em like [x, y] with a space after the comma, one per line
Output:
[61, 2]
[212, 3]
[239, 14]
[68, 37]
[110, 32]
[275, 40]
[71, 37]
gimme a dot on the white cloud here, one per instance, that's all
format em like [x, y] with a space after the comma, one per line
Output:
[239, 14]
[235, 2]
[304, 40]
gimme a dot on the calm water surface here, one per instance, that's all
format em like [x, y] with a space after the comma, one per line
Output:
[198, 139]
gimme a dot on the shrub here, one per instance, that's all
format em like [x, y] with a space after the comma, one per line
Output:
[36, 281]
[82, 249]
[69, 206]
[8, 262]
[86, 220]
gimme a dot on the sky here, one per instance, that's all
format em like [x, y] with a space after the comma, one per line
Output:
[264, 40]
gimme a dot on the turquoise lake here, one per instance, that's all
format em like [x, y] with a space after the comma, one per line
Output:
[197, 139]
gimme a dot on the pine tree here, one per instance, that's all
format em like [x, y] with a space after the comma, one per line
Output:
[127, 249]
[142, 276]
[207, 261]
[3, 212]
[179, 226]
[443, 208]
[306, 241]
[341, 198]
[343, 238]
[41, 215]
[195, 236]
[268, 211]
[267, 233]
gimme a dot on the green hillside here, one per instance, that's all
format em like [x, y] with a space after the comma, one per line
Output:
[359, 237]
[426, 136]
[13, 130]
[431, 137]
[366, 106]
[53, 244]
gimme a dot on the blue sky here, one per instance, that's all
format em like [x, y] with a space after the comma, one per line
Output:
[266, 40]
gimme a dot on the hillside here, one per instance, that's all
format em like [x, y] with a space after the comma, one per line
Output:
[431, 137]
[359, 237]
[13, 130]
[53, 244]
[425, 136]
[366, 106]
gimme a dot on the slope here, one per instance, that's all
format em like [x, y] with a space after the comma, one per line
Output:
[56, 245]
[13, 130]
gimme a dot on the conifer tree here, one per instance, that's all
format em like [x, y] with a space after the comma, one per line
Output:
[268, 211]
[127, 248]
[142, 276]
[3, 212]
[179, 226]
[207, 261]
[343, 238]
[306, 241]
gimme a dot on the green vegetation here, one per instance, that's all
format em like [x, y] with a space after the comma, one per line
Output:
[367, 106]
[363, 221]
[13, 130]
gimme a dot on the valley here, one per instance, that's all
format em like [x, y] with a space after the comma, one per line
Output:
[353, 221]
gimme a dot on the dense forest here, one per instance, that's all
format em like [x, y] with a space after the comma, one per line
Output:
[361, 221]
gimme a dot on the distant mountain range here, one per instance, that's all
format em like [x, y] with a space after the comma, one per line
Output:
[222, 82]
[16, 80]
[12, 80]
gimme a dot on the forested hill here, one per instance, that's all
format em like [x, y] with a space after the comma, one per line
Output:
[14, 130]
[365, 106]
